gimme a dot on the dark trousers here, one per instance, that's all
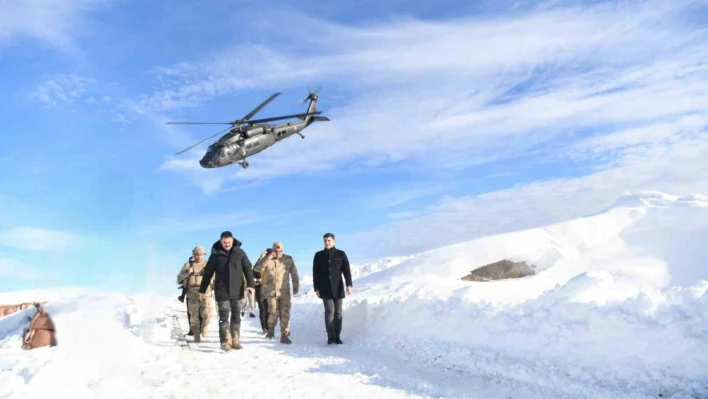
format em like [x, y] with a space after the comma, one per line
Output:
[229, 308]
[333, 317]
[262, 308]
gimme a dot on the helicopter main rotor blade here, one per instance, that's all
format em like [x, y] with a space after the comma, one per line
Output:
[198, 123]
[189, 148]
[258, 108]
[277, 118]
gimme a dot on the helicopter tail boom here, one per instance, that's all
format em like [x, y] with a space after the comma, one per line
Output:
[312, 107]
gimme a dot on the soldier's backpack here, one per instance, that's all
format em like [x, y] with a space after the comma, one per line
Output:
[41, 331]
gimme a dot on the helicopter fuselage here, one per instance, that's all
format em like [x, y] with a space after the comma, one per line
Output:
[237, 145]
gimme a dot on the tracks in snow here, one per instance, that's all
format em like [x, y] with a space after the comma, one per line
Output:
[311, 368]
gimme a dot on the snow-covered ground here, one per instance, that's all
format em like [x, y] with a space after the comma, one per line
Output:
[618, 309]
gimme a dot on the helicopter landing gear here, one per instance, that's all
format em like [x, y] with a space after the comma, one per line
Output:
[244, 164]
[300, 134]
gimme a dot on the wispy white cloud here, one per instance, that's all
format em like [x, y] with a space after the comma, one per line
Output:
[54, 22]
[39, 239]
[393, 194]
[679, 167]
[401, 215]
[447, 95]
[200, 223]
[210, 181]
[64, 90]
[616, 148]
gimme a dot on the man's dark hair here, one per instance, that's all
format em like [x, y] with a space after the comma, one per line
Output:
[328, 235]
[226, 234]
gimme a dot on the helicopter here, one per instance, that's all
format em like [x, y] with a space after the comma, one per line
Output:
[246, 137]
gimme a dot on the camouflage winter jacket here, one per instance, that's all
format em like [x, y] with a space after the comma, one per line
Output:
[194, 279]
[275, 276]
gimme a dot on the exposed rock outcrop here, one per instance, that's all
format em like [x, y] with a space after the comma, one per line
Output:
[504, 269]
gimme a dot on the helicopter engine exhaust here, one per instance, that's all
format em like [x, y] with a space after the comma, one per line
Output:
[255, 131]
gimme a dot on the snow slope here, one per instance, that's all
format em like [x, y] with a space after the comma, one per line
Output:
[618, 309]
[360, 270]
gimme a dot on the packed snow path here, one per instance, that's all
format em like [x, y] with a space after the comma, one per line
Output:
[310, 368]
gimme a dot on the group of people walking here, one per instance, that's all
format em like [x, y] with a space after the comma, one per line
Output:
[229, 274]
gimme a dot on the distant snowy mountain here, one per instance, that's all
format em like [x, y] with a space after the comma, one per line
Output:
[617, 309]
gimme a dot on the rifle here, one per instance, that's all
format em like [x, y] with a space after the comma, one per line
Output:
[184, 292]
[185, 284]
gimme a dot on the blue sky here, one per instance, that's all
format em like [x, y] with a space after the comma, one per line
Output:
[450, 121]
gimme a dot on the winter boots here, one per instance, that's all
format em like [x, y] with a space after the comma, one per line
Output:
[284, 339]
[231, 342]
[271, 332]
[334, 340]
[228, 335]
[234, 343]
[226, 346]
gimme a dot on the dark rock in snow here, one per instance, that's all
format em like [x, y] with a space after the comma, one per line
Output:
[501, 270]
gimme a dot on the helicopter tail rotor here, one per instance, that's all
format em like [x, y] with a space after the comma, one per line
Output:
[311, 95]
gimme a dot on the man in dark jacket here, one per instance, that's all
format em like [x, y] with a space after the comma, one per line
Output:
[328, 266]
[230, 263]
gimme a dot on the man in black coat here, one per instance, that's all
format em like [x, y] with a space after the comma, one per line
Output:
[328, 266]
[230, 263]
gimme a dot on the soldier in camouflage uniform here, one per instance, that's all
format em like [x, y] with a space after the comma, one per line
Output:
[274, 269]
[199, 307]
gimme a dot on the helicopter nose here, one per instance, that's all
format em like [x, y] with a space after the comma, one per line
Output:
[204, 163]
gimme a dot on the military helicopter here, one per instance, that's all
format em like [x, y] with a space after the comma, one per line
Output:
[246, 137]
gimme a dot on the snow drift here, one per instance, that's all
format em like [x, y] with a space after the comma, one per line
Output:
[618, 307]
[109, 346]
